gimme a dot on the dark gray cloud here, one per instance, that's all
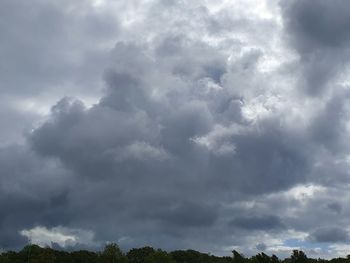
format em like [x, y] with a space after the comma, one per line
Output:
[334, 206]
[322, 24]
[319, 32]
[148, 159]
[128, 119]
[49, 50]
[46, 44]
[257, 222]
[188, 214]
[201, 135]
[331, 234]
[32, 192]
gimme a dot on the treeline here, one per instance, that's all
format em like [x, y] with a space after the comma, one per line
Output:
[113, 254]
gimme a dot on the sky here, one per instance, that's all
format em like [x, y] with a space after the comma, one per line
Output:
[203, 124]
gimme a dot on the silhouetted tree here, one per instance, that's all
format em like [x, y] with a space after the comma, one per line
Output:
[298, 256]
[274, 259]
[237, 257]
[262, 258]
[138, 255]
[82, 256]
[113, 254]
[159, 256]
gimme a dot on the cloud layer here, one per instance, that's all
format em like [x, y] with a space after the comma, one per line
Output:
[206, 125]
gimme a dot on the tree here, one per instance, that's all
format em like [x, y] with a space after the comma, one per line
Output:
[237, 257]
[262, 258]
[82, 256]
[188, 256]
[298, 256]
[138, 255]
[274, 259]
[113, 254]
[159, 256]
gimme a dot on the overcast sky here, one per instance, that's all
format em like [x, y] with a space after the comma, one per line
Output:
[203, 124]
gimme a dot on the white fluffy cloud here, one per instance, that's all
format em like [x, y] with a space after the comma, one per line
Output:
[62, 236]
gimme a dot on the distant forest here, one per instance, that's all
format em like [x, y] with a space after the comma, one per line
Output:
[113, 254]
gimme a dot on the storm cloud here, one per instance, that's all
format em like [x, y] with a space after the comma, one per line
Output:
[332, 234]
[205, 125]
[319, 32]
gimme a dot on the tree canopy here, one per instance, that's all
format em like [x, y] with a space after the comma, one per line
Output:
[113, 254]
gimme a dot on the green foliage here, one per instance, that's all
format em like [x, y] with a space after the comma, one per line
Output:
[237, 257]
[81, 256]
[10, 257]
[138, 255]
[263, 258]
[113, 254]
[159, 256]
[298, 256]
[188, 256]
[274, 259]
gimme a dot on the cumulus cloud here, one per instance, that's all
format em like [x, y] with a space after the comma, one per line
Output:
[61, 236]
[218, 123]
